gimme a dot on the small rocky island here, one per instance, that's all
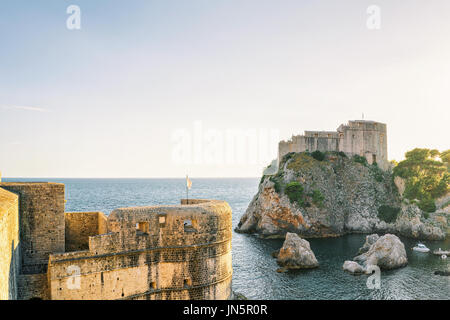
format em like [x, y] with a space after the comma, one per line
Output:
[386, 252]
[330, 194]
[295, 253]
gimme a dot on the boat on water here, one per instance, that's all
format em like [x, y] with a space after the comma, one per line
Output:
[420, 247]
[441, 252]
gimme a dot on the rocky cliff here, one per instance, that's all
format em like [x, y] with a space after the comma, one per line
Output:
[326, 195]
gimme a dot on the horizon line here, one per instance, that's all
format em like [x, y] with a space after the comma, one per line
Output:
[130, 177]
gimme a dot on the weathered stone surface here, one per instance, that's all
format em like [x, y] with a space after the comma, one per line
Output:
[353, 267]
[400, 184]
[370, 240]
[153, 253]
[161, 252]
[79, 226]
[359, 137]
[388, 252]
[9, 244]
[296, 253]
[352, 195]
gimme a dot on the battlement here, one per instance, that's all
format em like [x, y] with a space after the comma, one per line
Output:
[359, 137]
[156, 252]
[166, 252]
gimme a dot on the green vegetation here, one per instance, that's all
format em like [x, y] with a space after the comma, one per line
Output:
[388, 214]
[360, 159]
[262, 179]
[294, 191]
[342, 154]
[286, 158]
[277, 183]
[427, 177]
[445, 157]
[376, 172]
[317, 198]
[300, 161]
[318, 155]
[427, 205]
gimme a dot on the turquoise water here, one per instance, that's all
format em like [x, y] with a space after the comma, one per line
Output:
[255, 273]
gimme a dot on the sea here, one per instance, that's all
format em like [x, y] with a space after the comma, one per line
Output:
[254, 269]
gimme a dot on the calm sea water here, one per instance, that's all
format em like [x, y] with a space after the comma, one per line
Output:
[255, 273]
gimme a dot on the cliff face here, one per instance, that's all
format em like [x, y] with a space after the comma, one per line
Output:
[338, 195]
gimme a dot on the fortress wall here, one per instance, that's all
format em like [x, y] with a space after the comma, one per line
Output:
[324, 141]
[160, 260]
[79, 226]
[150, 274]
[363, 138]
[41, 222]
[33, 286]
[9, 245]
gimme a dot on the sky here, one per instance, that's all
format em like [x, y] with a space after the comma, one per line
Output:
[159, 88]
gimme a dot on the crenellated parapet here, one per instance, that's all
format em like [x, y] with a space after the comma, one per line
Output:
[156, 252]
[359, 137]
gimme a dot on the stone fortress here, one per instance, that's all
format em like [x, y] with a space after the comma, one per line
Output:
[359, 137]
[156, 252]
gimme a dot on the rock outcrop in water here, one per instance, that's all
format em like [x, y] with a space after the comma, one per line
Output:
[370, 240]
[332, 197]
[296, 253]
[353, 267]
[388, 252]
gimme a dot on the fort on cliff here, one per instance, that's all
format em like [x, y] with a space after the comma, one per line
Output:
[359, 137]
[156, 252]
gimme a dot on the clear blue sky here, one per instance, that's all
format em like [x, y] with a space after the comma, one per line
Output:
[106, 100]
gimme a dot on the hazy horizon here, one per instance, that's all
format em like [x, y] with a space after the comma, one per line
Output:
[151, 88]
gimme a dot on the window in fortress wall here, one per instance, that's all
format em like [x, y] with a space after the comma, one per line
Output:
[190, 225]
[142, 227]
[162, 220]
[187, 283]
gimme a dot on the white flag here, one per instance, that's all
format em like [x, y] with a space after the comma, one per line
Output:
[188, 183]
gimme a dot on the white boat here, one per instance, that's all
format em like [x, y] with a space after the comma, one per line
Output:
[421, 248]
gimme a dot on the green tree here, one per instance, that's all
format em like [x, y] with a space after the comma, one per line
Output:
[294, 191]
[445, 157]
[427, 176]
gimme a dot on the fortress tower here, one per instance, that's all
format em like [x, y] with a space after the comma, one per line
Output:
[160, 252]
[359, 137]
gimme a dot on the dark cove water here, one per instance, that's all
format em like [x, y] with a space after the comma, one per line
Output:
[255, 273]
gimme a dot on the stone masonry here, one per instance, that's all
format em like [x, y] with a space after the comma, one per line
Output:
[360, 137]
[161, 252]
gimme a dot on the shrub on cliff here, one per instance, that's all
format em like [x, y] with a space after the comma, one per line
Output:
[277, 183]
[294, 191]
[377, 173]
[427, 205]
[388, 214]
[318, 155]
[360, 159]
[317, 198]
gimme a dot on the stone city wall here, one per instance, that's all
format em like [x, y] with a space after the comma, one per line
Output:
[79, 226]
[41, 222]
[9, 244]
[161, 252]
[363, 138]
